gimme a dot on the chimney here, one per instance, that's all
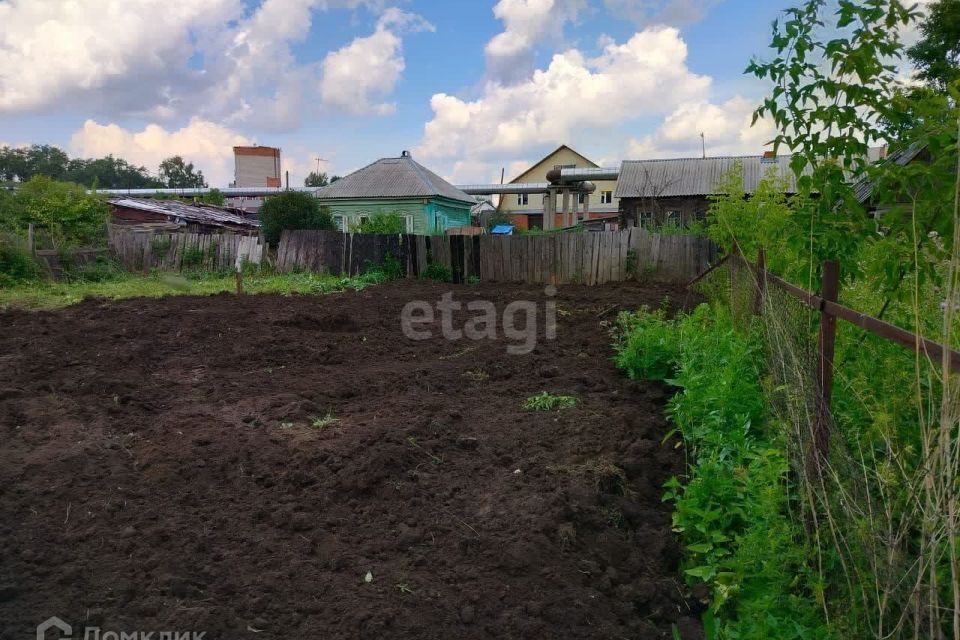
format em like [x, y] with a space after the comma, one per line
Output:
[769, 157]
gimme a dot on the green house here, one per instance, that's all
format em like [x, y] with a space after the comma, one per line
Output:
[402, 186]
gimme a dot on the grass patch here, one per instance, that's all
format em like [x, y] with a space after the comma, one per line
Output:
[323, 422]
[52, 295]
[547, 402]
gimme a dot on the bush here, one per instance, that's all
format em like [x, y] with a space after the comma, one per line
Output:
[293, 210]
[438, 272]
[384, 224]
[732, 507]
[16, 263]
[63, 213]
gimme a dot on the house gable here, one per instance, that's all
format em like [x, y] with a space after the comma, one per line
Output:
[562, 155]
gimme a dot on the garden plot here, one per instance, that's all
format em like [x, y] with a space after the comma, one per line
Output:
[277, 467]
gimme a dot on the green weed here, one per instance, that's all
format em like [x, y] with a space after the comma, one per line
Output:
[322, 423]
[547, 402]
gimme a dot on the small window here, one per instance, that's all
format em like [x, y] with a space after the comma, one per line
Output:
[409, 223]
[364, 218]
[580, 198]
[523, 199]
[606, 197]
[338, 222]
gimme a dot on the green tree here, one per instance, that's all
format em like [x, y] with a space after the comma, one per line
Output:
[63, 214]
[214, 197]
[937, 54]
[293, 210]
[833, 83]
[334, 179]
[316, 180]
[23, 163]
[175, 172]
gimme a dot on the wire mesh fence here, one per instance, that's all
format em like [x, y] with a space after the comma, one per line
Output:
[879, 506]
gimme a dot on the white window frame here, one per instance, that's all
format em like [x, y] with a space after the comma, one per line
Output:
[523, 199]
[606, 197]
[408, 222]
[340, 222]
[363, 217]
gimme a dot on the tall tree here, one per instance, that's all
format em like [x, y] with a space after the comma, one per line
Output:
[937, 54]
[175, 172]
[316, 179]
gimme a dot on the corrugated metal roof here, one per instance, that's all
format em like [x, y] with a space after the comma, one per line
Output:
[401, 177]
[864, 187]
[695, 176]
[193, 213]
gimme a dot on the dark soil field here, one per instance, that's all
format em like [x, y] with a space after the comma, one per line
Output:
[163, 468]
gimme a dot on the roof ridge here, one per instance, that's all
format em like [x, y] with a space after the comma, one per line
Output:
[419, 169]
[730, 157]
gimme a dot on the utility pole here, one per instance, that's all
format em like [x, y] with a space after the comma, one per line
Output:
[703, 143]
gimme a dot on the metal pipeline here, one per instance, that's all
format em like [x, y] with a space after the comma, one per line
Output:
[576, 174]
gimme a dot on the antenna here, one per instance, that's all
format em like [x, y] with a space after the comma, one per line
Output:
[703, 143]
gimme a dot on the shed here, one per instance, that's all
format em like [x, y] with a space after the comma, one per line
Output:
[195, 217]
[677, 191]
[401, 186]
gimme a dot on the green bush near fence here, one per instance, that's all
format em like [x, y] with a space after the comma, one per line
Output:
[732, 506]
[16, 263]
[293, 210]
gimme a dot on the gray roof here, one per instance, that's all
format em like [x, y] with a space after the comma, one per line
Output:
[188, 213]
[695, 176]
[401, 177]
[863, 189]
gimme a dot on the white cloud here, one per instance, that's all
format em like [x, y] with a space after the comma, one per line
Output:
[510, 53]
[208, 145]
[358, 76]
[172, 59]
[56, 48]
[726, 127]
[646, 75]
[675, 13]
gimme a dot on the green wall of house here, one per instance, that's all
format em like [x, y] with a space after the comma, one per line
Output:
[427, 214]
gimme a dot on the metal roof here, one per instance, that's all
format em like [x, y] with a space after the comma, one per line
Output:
[401, 177]
[863, 189]
[188, 213]
[696, 176]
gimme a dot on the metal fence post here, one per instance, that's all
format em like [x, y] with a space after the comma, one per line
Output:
[830, 290]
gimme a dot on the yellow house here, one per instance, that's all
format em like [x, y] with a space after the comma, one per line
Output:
[526, 210]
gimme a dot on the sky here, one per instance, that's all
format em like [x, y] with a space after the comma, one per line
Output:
[469, 87]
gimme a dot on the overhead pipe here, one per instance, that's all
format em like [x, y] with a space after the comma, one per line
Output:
[520, 187]
[229, 192]
[577, 174]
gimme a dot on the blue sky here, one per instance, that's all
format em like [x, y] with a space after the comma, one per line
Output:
[469, 86]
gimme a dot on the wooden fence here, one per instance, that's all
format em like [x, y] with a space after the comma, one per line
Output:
[176, 250]
[559, 258]
[830, 310]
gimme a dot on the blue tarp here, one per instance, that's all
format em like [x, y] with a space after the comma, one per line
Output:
[502, 230]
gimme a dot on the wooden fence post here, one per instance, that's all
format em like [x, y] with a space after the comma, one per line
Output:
[830, 290]
[761, 281]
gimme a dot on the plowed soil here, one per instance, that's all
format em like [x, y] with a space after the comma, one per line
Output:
[165, 465]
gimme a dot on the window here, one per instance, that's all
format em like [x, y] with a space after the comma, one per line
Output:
[364, 218]
[606, 197]
[408, 220]
[522, 199]
[645, 219]
[580, 198]
[338, 222]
